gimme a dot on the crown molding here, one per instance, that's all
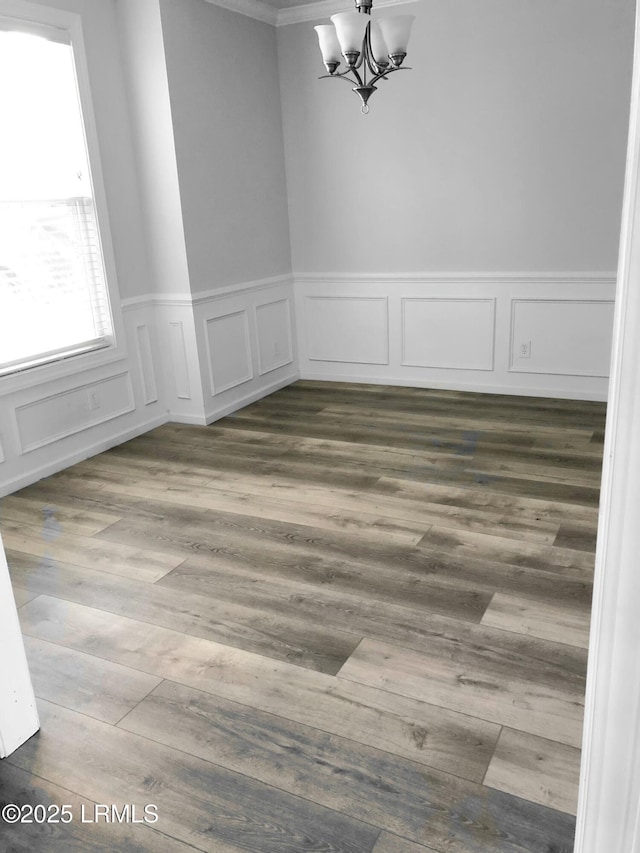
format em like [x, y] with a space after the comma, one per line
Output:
[324, 8]
[255, 9]
[261, 11]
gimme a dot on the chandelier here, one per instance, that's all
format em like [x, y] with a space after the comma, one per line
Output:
[371, 49]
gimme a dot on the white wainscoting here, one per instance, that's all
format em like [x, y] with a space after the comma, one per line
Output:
[184, 358]
[566, 337]
[52, 418]
[179, 360]
[247, 338]
[460, 331]
[348, 329]
[146, 364]
[228, 350]
[275, 334]
[223, 349]
[431, 333]
[50, 424]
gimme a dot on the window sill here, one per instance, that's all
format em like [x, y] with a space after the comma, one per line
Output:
[52, 371]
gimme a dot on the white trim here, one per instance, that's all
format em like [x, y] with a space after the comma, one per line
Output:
[403, 333]
[50, 439]
[241, 402]
[452, 385]
[262, 11]
[179, 361]
[133, 303]
[609, 796]
[516, 367]
[71, 22]
[215, 414]
[37, 14]
[324, 8]
[62, 462]
[190, 299]
[145, 364]
[528, 278]
[185, 418]
[247, 345]
[318, 297]
[149, 300]
[287, 359]
[18, 712]
[496, 377]
[240, 287]
[45, 374]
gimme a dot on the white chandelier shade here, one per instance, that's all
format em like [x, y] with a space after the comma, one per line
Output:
[329, 44]
[350, 29]
[370, 49]
[396, 32]
[378, 45]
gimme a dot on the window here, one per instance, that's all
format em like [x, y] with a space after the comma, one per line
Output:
[53, 293]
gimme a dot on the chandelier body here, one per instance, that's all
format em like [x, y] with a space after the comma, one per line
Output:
[370, 49]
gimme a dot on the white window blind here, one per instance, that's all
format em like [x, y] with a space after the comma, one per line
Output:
[53, 293]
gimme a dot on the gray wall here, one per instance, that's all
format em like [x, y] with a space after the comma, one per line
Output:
[144, 62]
[502, 150]
[223, 84]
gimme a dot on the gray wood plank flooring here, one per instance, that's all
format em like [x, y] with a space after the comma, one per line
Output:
[347, 618]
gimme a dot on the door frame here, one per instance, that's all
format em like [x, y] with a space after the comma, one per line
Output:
[609, 799]
[18, 712]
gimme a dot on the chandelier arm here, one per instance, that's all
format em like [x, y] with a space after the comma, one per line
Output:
[367, 51]
[338, 77]
[356, 74]
[383, 75]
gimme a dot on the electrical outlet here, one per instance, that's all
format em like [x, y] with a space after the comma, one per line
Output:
[276, 350]
[94, 402]
[524, 349]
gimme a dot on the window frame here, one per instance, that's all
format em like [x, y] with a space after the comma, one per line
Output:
[27, 17]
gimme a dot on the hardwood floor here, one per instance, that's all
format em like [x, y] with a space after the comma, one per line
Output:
[348, 618]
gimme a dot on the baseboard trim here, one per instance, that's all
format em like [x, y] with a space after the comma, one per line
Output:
[247, 399]
[408, 382]
[216, 414]
[63, 462]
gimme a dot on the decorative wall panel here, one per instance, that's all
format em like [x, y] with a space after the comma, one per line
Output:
[566, 337]
[179, 360]
[145, 360]
[229, 350]
[348, 329]
[57, 416]
[457, 334]
[273, 324]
